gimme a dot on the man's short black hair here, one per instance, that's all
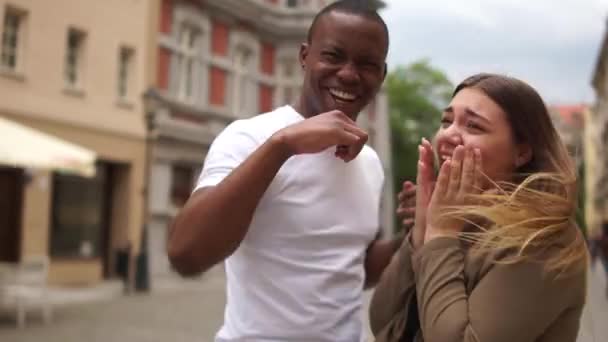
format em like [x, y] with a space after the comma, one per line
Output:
[364, 8]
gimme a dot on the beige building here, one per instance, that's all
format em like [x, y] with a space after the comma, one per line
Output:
[76, 69]
[219, 61]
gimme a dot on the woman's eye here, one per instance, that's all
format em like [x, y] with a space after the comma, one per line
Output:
[473, 125]
[445, 122]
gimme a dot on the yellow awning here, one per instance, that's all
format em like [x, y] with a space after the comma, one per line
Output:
[24, 147]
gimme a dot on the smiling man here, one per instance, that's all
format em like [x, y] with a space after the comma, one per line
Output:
[290, 199]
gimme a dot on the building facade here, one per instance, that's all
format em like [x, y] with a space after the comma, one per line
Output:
[219, 61]
[597, 137]
[76, 69]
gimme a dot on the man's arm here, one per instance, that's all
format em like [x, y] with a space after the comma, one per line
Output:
[380, 252]
[378, 256]
[215, 219]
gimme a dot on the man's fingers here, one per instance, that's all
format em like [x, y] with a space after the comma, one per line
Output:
[347, 138]
[408, 186]
[356, 130]
[353, 145]
[406, 212]
[406, 196]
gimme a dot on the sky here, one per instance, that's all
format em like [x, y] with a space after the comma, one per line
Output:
[551, 44]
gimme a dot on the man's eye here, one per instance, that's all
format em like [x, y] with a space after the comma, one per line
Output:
[331, 56]
[371, 65]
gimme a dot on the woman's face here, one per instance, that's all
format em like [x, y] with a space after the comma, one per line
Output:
[474, 120]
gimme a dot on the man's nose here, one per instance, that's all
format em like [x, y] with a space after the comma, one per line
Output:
[349, 73]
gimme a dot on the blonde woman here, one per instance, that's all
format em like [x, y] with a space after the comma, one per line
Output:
[494, 254]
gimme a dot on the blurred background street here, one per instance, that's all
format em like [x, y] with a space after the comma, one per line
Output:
[184, 311]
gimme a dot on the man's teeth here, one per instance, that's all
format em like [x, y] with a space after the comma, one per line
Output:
[341, 95]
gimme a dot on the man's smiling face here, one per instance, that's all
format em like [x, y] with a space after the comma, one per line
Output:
[344, 64]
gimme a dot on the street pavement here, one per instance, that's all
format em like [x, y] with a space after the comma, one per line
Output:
[191, 311]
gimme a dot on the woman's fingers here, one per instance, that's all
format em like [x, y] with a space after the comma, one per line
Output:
[429, 153]
[467, 182]
[443, 180]
[455, 172]
[478, 184]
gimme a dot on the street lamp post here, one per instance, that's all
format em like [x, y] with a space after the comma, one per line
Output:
[151, 102]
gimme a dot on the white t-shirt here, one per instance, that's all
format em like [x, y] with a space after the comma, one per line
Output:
[298, 275]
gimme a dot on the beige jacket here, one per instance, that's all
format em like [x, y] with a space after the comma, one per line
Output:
[463, 296]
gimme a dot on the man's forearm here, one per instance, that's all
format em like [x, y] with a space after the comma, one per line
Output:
[215, 220]
[378, 256]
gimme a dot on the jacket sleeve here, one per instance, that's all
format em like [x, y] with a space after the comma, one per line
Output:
[511, 302]
[393, 294]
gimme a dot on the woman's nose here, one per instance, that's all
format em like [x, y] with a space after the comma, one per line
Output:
[453, 136]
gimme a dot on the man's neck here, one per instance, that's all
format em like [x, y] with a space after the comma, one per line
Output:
[301, 107]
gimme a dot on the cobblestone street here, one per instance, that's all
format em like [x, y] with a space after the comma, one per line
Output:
[192, 311]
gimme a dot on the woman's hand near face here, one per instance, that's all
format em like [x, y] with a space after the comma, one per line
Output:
[425, 180]
[459, 178]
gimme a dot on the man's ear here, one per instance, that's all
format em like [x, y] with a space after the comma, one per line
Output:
[524, 155]
[303, 53]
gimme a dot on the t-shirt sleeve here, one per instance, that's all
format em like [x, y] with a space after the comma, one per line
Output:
[231, 147]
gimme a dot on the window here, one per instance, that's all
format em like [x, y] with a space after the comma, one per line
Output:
[188, 38]
[12, 36]
[182, 183]
[125, 70]
[288, 82]
[80, 214]
[74, 58]
[242, 90]
[188, 44]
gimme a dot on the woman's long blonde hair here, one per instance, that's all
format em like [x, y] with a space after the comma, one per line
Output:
[535, 212]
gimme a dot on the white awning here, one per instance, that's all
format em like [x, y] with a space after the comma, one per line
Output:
[24, 147]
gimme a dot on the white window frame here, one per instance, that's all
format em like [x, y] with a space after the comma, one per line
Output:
[187, 40]
[244, 81]
[19, 34]
[74, 60]
[124, 78]
[189, 61]
[287, 60]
